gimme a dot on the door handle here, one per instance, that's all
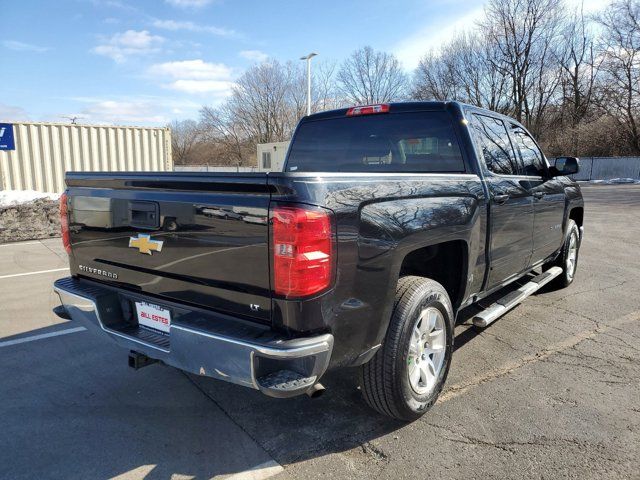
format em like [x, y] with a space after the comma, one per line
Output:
[539, 195]
[500, 198]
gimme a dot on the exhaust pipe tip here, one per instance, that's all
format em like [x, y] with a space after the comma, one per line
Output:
[315, 391]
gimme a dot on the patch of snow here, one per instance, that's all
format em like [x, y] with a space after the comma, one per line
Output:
[624, 180]
[615, 181]
[17, 197]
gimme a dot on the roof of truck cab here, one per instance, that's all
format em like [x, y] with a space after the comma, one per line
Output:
[412, 106]
[393, 107]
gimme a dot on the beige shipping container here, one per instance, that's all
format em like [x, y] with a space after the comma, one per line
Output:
[45, 151]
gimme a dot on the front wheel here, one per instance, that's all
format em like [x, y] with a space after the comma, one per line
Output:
[568, 258]
[405, 377]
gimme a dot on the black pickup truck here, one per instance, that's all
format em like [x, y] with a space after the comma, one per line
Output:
[386, 221]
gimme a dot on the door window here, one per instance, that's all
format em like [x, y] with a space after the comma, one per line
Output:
[532, 159]
[493, 140]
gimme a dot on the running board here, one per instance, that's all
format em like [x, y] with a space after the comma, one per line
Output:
[509, 301]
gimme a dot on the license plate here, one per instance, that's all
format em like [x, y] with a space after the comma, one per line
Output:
[153, 316]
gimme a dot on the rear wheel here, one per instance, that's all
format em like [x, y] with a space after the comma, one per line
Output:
[568, 258]
[405, 377]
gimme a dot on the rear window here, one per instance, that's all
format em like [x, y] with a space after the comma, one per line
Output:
[401, 142]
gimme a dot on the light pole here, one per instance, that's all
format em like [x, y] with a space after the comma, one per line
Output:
[308, 59]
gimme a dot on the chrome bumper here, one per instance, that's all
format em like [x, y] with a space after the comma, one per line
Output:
[203, 344]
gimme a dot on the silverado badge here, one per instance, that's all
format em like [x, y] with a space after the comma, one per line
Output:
[144, 244]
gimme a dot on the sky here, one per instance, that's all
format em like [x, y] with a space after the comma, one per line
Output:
[148, 62]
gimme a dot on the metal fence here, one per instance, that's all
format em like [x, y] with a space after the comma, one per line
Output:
[45, 151]
[607, 168]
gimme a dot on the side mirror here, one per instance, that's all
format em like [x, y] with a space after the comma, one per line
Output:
[566, 166]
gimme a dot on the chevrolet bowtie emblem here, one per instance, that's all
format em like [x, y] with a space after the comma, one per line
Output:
[144, 244]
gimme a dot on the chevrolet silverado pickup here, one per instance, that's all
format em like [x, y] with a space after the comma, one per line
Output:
[385, 222]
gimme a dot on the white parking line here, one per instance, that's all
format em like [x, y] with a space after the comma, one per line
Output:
[33, 273]
[32, 338]
[259, 472]
[18, 244]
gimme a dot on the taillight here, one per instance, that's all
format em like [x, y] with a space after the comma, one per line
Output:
[303, 250]
[64, 222]
[368, 110]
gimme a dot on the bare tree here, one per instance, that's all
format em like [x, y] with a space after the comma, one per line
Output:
[261, 102]
[184, 137]
[525, 33]
[462, 70]
[265, 106]
[219, 126]
[620, 79]
[368, 77]
[326, 95]
[577, 60]
[435, 78]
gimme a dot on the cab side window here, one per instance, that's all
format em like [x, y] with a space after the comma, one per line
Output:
[532, 159]
[493, 140]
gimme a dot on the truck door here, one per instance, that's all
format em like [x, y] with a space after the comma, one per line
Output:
[548, 196]
[511, 211]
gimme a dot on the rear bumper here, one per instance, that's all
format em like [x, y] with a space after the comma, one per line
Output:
[202, 343]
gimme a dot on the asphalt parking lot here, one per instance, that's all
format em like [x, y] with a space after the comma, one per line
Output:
[551, 390]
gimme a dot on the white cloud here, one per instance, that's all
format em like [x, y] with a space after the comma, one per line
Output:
[114, 4]
[193, 69]
[202, 86]
[23, 47]
[142, 110]
[174, 25]
[132, 42]
[189, 3]
[195, 76]
[587, 6]
[254, 55]
[12, 113]
[113, 111]
[410, 50]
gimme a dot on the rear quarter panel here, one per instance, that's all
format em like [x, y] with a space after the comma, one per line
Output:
[380, 218]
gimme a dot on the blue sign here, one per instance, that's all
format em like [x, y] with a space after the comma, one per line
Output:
[6, 137]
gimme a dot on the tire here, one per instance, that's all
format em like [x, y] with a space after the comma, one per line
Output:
[568, 258]
[388, 380]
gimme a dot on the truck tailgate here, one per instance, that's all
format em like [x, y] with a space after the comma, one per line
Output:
[200, 239]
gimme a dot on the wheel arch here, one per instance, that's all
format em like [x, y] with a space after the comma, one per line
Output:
[577, 215]
[447, 263]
